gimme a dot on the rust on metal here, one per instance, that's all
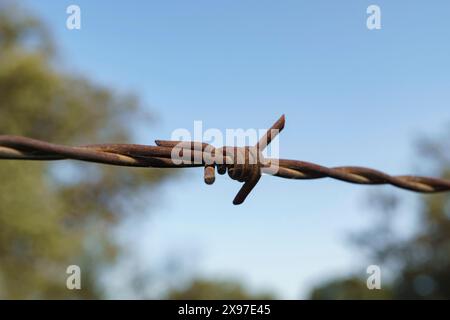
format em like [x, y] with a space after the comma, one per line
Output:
[196, 154]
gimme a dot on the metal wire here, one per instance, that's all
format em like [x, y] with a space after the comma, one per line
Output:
[195, 154]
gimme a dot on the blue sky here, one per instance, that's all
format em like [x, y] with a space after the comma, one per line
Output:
[351, 97]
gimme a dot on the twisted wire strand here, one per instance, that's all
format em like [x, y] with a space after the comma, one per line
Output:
[225, 159]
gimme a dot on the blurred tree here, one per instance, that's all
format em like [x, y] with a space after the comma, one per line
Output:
[55, 215]
[419, 264]
[348, 288]
[203, 289]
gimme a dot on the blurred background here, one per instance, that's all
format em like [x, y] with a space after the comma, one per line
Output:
[137, 70]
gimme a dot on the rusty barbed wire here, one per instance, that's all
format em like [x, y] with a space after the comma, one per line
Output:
[244, 164]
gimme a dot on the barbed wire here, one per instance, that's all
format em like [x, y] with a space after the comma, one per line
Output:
[244, 164]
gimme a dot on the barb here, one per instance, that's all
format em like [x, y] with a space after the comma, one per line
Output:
[244, 164]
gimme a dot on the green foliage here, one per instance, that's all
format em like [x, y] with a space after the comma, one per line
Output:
[420, 263]
[48, 222]
[347, 289]
[202, 289]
